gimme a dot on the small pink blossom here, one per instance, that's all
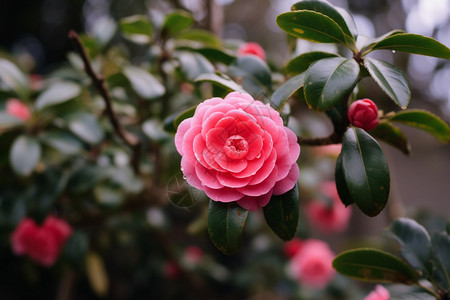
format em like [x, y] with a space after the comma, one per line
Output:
[18, 109]
[237, 149]
[329, 217]
[380, 293]
[252, 48]
[312, 265]
[42, 244]
[363, 114]
[193, 255]
[292, 247]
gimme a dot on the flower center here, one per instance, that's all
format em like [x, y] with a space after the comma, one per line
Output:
[235, 147]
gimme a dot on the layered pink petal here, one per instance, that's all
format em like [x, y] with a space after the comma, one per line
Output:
[207, 177]
[184, 126]
[288, 182]
[224, 194]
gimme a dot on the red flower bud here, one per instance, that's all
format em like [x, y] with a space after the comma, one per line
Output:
[252, 48]
[363, 114]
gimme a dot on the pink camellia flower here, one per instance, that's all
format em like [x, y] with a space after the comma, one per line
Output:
[380, 293]
[312, 265]
[329, 217]
[18, 109]
[292, 247]
[42, 244]
[237, 149]
[252, 48]
[363, 114]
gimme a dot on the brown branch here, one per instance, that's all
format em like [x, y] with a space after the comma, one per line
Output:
[334, 138]
[99, 82]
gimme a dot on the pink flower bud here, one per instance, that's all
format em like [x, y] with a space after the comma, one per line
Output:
[21, 237]
[363, 114]
[292, 247]
[252, 48]
[17, 109]
[380, 293]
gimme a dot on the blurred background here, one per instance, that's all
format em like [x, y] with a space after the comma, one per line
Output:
[35, 33]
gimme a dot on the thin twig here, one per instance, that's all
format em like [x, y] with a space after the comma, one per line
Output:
[99, 82]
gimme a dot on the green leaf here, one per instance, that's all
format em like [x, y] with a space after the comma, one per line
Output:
[366, 171]
[14, 78]
[327, 9]
[414, 241]
[24, 155]
[329, 81]
[374, 265]
[390, 79]
[424, 120]
[137, 29]
[391, 135]
[285, 91]
[153, 129]
[312, 26]
[177, 22]
[184, 115]
[104, 30]
[341, 185]
[440, 259]
[62, 141]
[412, 43]
[212, 54]
[204, 37]
[7, 120]
[226, 222]
[282, 213]
[57, 93]
[85, 126]
[370, 42]
[255, 75]
[221, 80]
[194, 64]
[108, 196]
[301, 63]
[144, 83]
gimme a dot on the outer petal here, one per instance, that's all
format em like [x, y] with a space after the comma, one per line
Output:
[181, 131]
[224, 194]
[288, 182]
[261, 188]
[188, 169]
[207, 177]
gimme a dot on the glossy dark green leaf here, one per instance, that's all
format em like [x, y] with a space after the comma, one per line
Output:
[176, 22]
[153, 129]
[14, 78]
[62, 141]
[137, 29]
[370, 42]
[104, 30]
[206, 38]
[24, 154]
[374, 265]
[194, 64]
[366, 171]
[226, 222]
[390, 79]
[326, 8]
[86, 178]
[286, 90]
[440, 258]
[424, 120]
[184, 115]
[414, 241]
[312, 26]
[330, 80]
[391, 135]
[253, 74]
[413, 43]
[282, 213]
[85, 126]
[341, 185]
[57, 93]
[301, 63]
[143, 83]
[212, 54]
[221, 80]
